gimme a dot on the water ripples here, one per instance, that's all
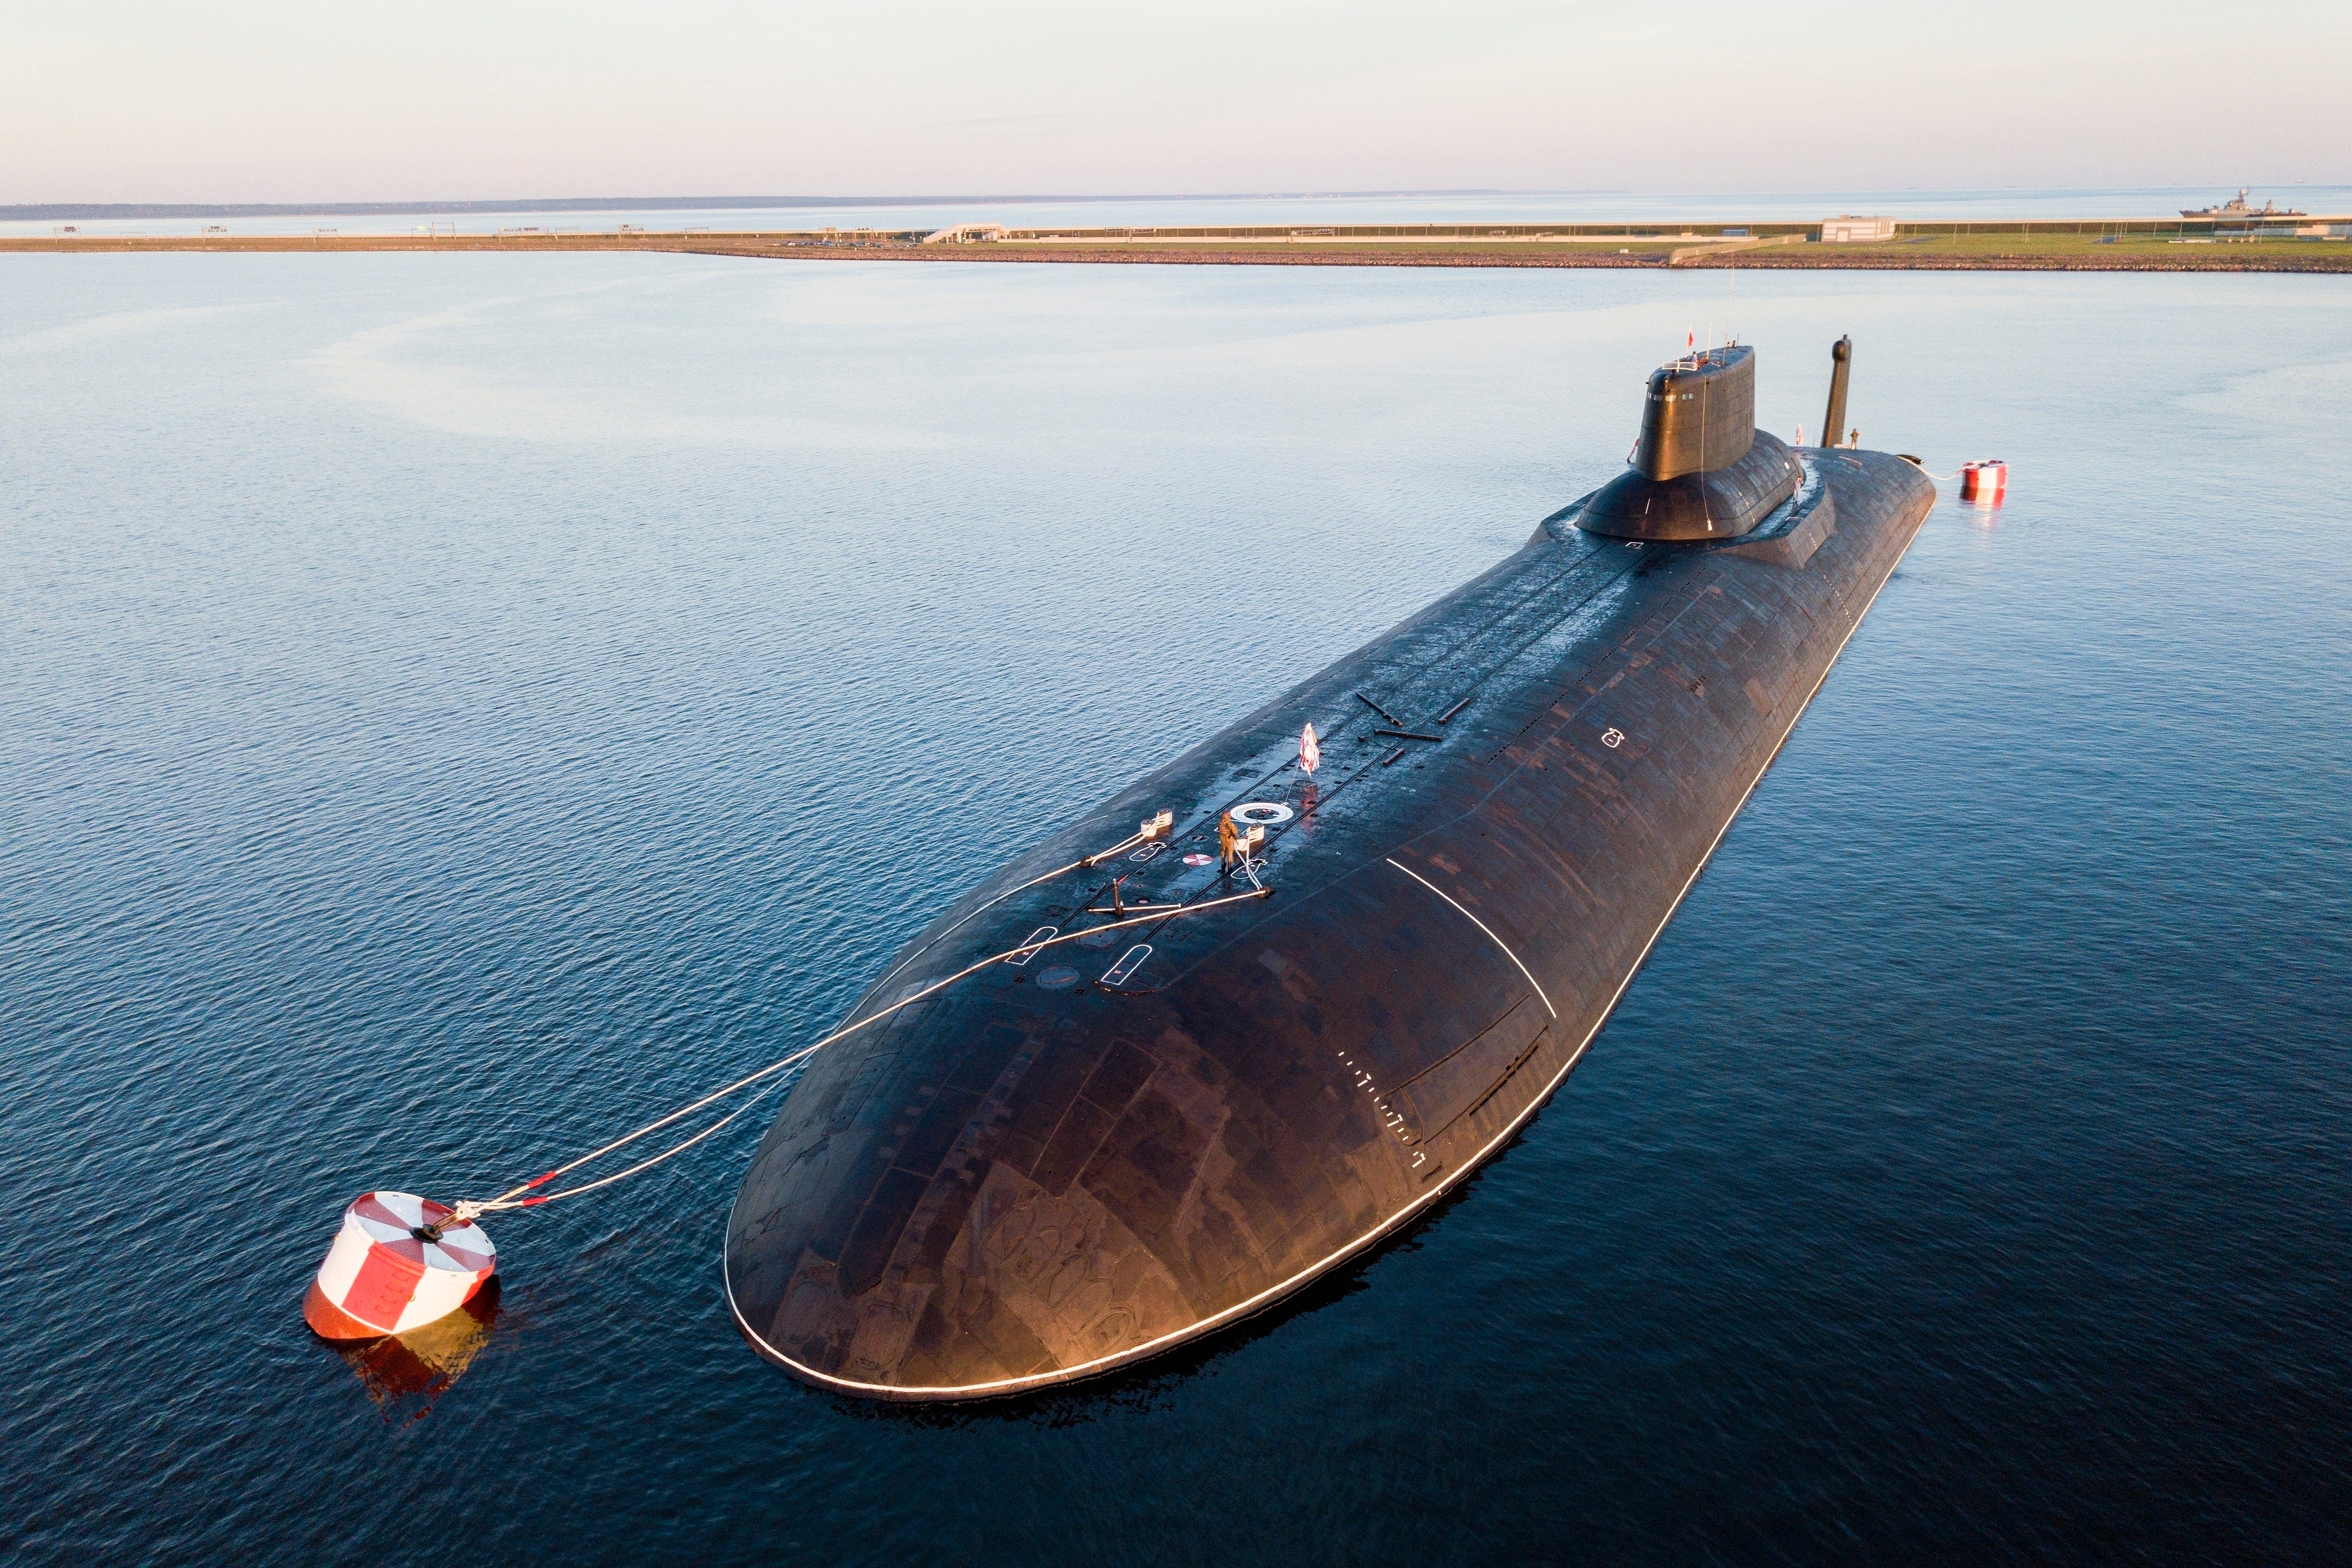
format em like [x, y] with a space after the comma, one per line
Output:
[415, 788]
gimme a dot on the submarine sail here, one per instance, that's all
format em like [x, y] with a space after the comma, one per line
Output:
[1167, 1106]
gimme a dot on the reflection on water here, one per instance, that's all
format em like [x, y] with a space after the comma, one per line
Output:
[405, 1373]
[453, 707]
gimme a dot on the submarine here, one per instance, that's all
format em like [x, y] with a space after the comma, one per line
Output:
[1142, 1084]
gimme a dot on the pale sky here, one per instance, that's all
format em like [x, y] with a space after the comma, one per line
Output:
[256, 100]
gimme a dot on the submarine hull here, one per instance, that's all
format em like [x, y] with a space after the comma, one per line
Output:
[1064, 1163]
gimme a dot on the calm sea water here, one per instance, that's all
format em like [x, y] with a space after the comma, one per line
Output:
[1176, 212]
[451, 706]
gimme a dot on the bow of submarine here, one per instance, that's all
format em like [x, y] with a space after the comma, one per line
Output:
[1058, 1167]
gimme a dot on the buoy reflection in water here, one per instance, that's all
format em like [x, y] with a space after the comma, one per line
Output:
[405, 1373]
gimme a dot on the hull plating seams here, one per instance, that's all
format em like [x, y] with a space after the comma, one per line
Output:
[1012, 1185]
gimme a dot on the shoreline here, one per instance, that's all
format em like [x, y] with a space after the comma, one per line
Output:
[2084, 250]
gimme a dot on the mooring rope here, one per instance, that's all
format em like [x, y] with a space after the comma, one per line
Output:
[1149, 832]
[513, 1198]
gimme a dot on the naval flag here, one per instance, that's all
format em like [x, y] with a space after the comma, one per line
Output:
[1309, 753]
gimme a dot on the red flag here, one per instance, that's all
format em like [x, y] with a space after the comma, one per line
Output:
[1309, 753]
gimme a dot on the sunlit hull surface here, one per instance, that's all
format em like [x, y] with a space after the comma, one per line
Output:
[1009, 1186]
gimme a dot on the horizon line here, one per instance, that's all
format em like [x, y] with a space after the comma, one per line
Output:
[596, 203]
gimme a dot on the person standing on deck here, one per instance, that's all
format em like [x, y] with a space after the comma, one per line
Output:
[1229, 839]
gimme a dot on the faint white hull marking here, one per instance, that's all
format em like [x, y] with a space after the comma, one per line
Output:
[1273, 1293]
[1132, 960]
[1029, 949]
[1482, 925]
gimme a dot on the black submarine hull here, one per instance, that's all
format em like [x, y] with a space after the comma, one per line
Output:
[1060, 1166]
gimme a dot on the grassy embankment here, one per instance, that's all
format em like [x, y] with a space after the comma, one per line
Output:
[1971, 248]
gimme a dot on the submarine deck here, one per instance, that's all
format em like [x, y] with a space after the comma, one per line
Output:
[1108, 1146]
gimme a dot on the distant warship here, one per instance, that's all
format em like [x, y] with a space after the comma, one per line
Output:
[2235, 208]
[1188, 1070]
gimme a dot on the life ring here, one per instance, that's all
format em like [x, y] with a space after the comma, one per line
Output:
[1262, 814]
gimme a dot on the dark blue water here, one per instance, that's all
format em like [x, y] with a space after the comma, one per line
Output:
[452, 708]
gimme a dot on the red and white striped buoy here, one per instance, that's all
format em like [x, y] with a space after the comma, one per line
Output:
[399, 1261]
[1983, 481]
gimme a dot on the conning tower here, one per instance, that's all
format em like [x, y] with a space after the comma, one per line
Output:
[1702, 470]
[1124, 1092]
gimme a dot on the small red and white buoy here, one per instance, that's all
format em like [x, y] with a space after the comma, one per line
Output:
[1983, 481]
[399, 1261]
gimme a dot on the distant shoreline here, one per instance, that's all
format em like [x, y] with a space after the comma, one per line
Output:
[2143, 245]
